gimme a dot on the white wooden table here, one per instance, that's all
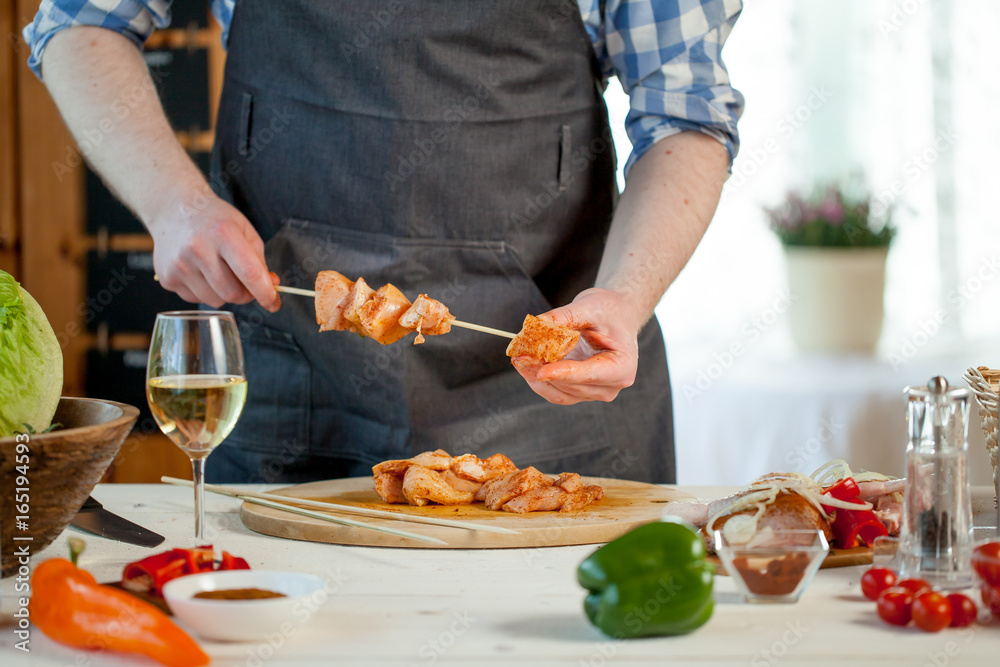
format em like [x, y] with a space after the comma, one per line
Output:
[505, 607]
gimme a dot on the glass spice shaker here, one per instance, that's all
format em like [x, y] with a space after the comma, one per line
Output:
[936, 535]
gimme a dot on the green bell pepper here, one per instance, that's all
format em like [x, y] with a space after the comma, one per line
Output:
[654, 580]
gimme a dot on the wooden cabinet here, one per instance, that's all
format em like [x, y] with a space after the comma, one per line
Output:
[46, 239]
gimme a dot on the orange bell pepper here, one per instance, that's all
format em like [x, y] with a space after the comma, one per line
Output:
[69, 606]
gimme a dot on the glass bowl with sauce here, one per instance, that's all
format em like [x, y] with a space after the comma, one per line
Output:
[774, 565]
[244, 605]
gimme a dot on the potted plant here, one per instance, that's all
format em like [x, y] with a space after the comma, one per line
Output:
[835, 247]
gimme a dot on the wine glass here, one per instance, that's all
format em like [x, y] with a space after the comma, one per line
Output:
[196, 387]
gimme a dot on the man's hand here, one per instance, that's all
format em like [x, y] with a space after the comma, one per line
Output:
[204, 249]
[604, 361]
[210, 253]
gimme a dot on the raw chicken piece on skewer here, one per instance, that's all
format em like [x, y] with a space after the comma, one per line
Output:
[357, 296]
[332, 298]
[427, 316]
[543, 340]
[380, 315]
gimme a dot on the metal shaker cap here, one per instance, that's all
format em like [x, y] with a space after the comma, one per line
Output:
[938, 415]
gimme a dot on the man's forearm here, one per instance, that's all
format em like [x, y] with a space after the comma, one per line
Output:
[103, 89]
[670, 198]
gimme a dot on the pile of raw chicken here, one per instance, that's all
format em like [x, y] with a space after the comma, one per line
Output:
[438, 477]
[851, 509]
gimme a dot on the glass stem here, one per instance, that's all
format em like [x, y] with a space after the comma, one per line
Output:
[198, 470]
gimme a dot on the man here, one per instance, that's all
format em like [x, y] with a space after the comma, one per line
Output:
[458, 149]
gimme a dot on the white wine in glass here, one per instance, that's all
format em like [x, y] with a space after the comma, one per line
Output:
[196, 387]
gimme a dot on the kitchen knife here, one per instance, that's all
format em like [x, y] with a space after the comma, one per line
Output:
[93, 518]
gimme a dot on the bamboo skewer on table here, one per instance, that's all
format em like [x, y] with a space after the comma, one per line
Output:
[454, 323]
[306, 512]
[250, 496]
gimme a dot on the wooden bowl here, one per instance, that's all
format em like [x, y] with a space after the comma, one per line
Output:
[62, 468]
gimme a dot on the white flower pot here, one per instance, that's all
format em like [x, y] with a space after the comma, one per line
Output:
[836, 298]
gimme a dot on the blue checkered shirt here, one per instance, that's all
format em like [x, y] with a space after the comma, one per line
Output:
[666, 53]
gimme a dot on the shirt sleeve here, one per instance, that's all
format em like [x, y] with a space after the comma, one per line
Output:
[668, 56]
[135, 19]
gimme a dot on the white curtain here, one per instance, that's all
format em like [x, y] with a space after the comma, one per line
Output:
[904, 92]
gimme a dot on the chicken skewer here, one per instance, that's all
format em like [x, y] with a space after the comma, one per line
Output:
[522, 342]
[452, 322]
[386, 315]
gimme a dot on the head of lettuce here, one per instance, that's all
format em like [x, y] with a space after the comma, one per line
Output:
[31, 364]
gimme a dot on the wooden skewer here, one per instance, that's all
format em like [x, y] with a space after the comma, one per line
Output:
[365, 511]
[296, 290]
[455, 323]
[309, 513]
[478, 327]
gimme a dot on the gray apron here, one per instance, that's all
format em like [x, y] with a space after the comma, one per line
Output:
[455, 148]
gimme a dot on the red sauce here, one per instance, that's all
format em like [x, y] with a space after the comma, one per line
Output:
[239, 594]
[780, 576]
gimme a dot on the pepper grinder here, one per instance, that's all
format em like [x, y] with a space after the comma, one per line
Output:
[936, 536]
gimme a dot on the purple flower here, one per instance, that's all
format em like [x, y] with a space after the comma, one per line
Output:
[831, 209]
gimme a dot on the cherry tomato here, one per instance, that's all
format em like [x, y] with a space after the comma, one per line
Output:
[931, 611]
[986, 562]
[876, 580]
[963, 610]
[991, 598]
[915, 586]
[895, 605]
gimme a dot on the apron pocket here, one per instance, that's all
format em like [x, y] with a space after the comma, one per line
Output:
[276, 416]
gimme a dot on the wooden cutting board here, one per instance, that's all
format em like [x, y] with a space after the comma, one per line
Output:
[626, 505]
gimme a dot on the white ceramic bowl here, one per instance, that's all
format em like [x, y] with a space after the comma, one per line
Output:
[245, 620]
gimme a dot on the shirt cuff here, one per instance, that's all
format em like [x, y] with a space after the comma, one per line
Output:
[657, 114]
[135, 19]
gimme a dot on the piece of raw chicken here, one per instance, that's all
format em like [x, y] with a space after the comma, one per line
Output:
[422, 485]
[332, 292]
[427, 316]
[379, 316]
[543, 340]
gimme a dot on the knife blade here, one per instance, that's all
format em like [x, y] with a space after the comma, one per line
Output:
[94, 519]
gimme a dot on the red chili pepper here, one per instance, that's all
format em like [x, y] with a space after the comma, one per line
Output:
[150, 574]
[169, 572]
[190, 557]
[231, 562]
[846, 489]
[852, 527]
[147, 566]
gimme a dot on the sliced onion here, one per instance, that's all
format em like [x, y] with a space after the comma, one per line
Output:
[740, 529]
[866, 476]
[830, 501]
[836, 470]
